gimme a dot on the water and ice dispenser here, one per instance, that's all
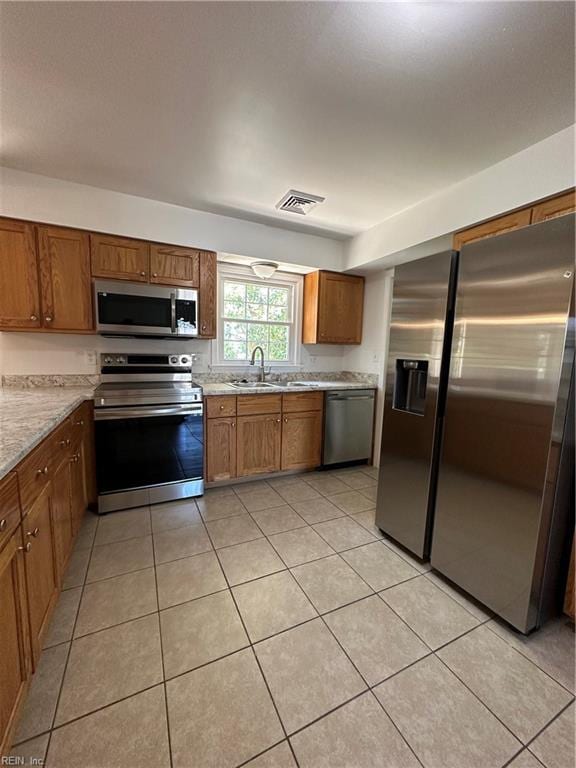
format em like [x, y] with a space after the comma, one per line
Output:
[410, 386]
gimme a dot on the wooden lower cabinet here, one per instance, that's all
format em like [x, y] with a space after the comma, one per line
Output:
[221, 449]
[15, 657]
[62, 516]
[301, 440]
[41, 567]
[78, 489]
[259, 444]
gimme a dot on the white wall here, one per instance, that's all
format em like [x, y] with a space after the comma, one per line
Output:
[39, 198]
[542, 170]
[371, 355]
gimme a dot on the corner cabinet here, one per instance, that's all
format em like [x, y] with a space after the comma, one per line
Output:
[333, 308]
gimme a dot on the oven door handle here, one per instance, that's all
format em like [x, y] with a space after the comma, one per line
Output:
[137, 412]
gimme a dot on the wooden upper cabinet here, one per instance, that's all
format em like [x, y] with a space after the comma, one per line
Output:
[19, 286]
[118, 258]
[64, 260]
[301, 440]
[207, 295]
[170, 265]
[258, 444]
[551, 209]
[333, 308]
[492, 228]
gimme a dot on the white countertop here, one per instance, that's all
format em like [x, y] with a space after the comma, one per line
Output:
[28, 415]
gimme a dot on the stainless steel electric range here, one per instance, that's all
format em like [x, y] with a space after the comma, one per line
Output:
[149, 431]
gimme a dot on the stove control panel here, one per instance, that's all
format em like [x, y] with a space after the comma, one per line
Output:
[151, 362]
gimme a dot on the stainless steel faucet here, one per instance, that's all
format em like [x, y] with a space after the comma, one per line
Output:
[253, 361]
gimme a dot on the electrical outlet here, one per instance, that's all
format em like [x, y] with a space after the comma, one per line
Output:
[90, 358]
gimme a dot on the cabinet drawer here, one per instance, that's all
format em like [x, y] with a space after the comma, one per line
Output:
[61, 440]
[79, 421]
[9, 507]
[252, 405]
[297, 402]
[220, 406]
[34, 473]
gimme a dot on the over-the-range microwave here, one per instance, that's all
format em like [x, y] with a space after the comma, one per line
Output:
[133, 309]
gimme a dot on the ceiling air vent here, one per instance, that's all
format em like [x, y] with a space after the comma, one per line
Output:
[298, 202]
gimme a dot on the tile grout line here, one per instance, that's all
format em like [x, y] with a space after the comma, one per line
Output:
[251, 646]
[168, 734]
[61, 687]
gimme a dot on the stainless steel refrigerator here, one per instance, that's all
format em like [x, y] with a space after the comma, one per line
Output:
[500, 439]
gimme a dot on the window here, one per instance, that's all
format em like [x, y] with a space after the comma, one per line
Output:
[257, 313]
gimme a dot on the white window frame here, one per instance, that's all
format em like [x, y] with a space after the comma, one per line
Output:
[280, 279]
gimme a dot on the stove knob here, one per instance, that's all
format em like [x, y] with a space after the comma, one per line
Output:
[184, 361]
[108, 360]
[173, 360]
[120, 360]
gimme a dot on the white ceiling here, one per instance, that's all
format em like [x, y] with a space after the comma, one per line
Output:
[224, 106]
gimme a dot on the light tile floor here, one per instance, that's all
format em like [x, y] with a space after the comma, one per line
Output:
[270, 625]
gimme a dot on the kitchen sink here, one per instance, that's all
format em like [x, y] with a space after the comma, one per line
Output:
[252, 385]
[300, 384]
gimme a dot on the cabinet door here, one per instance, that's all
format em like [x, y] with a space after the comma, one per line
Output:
[340, 308]
[174, 266]
[551, 209]
[61, 516]
[40, 565]
[207, 295]
[119, 258]
[258, 444]
[15, 662]
[220, 448]
[493, 228]
[64, 258]
[19, 287]
[301, 440]
[78, 489]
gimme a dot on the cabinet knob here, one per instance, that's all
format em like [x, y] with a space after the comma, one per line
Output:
[3, 524]
[278, 421]
[48, 319]
[143, 274]
[221, 407]
[74, 458]
[233, 423]
[285, 421]
[41, 471]
[26, 548]
[155, 274]
[203, 326]
[34, 533]
[33, 317]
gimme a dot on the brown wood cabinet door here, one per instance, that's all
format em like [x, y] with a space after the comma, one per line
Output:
[301, 440]
[15, 661]
[551, 209]
[258, 444]
[79, 491]
[492, 228]
[40, 565]
[569, 597]
[170, 265]
[340, 308]
[118, 258]
[62, 516]
[64, 259]
[220, 448]
[19, 286]
[207, 295]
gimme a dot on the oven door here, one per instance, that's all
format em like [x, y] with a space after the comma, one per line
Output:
[148, 454]
[145, 310]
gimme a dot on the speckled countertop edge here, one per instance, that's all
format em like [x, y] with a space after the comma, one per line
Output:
[28, 416]
[222, 388]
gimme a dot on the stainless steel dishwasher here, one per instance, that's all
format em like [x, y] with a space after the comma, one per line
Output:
[348, 425]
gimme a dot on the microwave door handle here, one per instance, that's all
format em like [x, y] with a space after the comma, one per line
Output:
[173, 312]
